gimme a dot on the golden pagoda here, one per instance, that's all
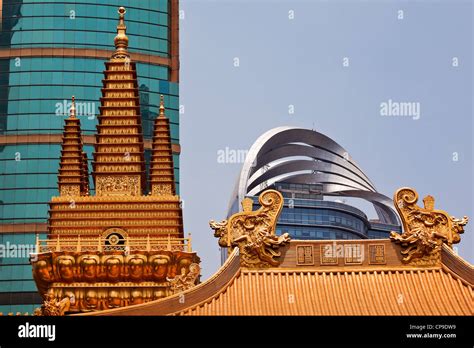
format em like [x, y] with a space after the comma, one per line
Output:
[120, 246]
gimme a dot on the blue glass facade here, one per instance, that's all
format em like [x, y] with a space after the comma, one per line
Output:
[334, 222]
[85, 24]
[306, 215]
[19, 292]
[35, 90]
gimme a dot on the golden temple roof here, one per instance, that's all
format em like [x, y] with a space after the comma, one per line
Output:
[413, 273]
[390, 289]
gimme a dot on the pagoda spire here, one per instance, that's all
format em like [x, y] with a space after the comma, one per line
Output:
[119, 163]
[121, 40]
[161, 165]
[71, 169]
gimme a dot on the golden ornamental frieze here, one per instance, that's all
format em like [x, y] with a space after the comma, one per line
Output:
[253, 232]
[113, 267]
[125, 222]
[121, 122]
[114, 140]
[161, 189]
[91, 249]
[104, 203]
[120, 158]
[115, 214]
[115, 94]
[162, 166]
[120, 149]
[124, 130]
[131, 229]
[124, 202]
[118, 112]
[94, 231]
[65, 180]
[116, 67]
[77, 299]
[70, 190]
[144, 206]
[73, 275]
[118, 85]
[118, 77]
[118, 103]
[425, 230]
[118, 185]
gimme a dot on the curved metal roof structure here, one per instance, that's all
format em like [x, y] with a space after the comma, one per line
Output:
[297, 155]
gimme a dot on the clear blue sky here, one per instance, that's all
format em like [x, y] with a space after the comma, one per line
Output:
[300, 62]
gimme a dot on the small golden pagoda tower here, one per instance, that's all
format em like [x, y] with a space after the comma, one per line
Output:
[71, 178]
[120, 246]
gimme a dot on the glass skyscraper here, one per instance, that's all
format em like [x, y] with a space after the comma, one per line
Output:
[307, 214]
[316, 176]
[50, 51]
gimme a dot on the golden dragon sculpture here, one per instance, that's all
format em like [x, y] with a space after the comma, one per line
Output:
[425, 229]
[253, 232]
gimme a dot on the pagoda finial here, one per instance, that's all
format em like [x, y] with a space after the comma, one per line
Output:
[162, 106]
[121, 40]
[72, 112]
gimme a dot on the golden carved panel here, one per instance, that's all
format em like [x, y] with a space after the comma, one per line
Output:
[97, 281]
[304, 255]
[118, 185]
[69, 190]
[377, 254]
[161, 189]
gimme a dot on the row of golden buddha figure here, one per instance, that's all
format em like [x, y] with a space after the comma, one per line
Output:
[69, 267]
[89, 299]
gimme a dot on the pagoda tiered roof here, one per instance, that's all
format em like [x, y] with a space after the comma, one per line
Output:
[71, 166]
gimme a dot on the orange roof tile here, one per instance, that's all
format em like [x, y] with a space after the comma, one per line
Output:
[398, 292]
